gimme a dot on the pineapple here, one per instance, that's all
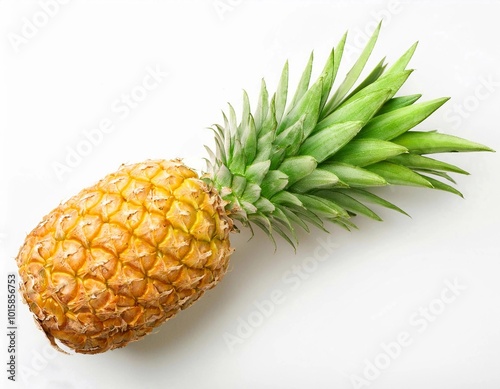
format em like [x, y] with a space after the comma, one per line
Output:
[123, 256]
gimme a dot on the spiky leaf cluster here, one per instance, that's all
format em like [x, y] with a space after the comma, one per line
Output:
[315, 155]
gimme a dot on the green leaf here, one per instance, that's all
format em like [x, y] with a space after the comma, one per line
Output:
[319, 178]
[262, 106]
[223, 176]
[297, 167]
[354, 176]
[403, 61]
[281, 217]
[291, 139]
[322, 207]
[370, 79]
[251, 193]
[286, 198]
[281, 93]
[238, 185]
[442, 186]
[361, 109]
[327, 142]
[362, 152]
[256, 172]
[353, 74]
[264, 206]
[304, 81]
[308, 216]
[434, 142]
[237, 163]
[349, 203]
[273, 183]
[395, 123]
[308, 106]
[328, 74]
[264, 147]
[293, 218]
[398, 175]
[398, 102]
[436, 173]
[416, 161]
[365, 195]
[270, 124]
[249, 140]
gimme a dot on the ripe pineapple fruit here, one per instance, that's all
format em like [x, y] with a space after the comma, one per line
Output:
[123, 256]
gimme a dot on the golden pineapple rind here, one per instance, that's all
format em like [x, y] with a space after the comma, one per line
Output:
[121, 257]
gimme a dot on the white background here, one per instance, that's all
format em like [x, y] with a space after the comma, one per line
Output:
[329, 325]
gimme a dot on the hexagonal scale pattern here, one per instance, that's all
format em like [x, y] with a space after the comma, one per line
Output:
[121, 257]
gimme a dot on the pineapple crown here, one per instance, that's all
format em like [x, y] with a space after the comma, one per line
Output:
[315, 158]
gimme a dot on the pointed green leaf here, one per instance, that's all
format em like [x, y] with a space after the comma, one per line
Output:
[354, 176]
[365, 195]
[256, 172]
[391, 84]
[327, 142]
[292, 137]
[286, 198]
[344, 223]
[238, 162]
[370, 79]
[327, 75]
[444, 175]
[416, 161]
[294, 218]
[281, 93]
[322, 207]
[308, 105]
[349, 203]
[284, 234]
[264, 206]
[338, 51]
[249, 140]
[238, 185]
[270, 124]
[262, 106]
[251, 193]
[304, 81]
[398, 175]
[309, 216]
[442, 186]
[398, 102]
[362, 152]
[354, 73]
[434, 142]
[264, 147]
[395, 123]
[319, 178]
[361, 109]
[297, 167]
[273, 183]
[403, 61]
[223, 176]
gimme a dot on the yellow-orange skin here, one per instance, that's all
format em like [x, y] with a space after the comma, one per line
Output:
[122, 256]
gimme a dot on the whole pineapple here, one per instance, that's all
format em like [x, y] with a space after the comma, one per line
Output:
[123, 256]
